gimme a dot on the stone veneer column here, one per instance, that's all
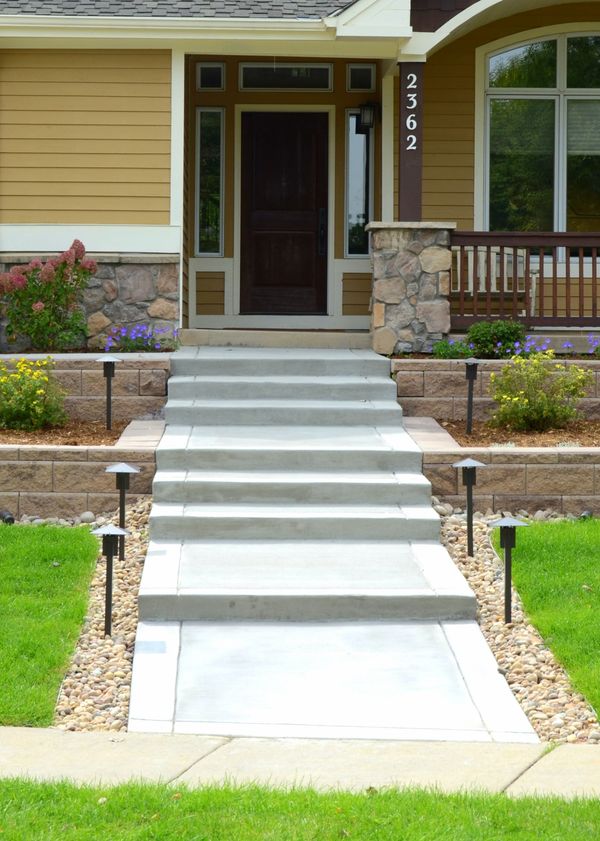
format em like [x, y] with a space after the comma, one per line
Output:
[411, 284]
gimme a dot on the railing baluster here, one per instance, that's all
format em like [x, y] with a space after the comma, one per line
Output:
[542, 292]
[488, 279]
[462, 279]
[568, 281]
[527, 282]
[515, 281]
[581, 284]
[501, 304]
[594, 282]
[554, 283]
[475, 281]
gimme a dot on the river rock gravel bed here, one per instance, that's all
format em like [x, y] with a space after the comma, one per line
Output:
[556, 711]
[95, 692]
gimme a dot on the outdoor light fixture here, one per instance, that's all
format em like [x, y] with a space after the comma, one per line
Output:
[471, 368]
[108, 363]
[6, 517]
[508, 540]
[122, 473]
[469, 476]
[367, 116]
[110, 543]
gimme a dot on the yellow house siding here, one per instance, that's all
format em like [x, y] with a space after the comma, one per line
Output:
[85, 136]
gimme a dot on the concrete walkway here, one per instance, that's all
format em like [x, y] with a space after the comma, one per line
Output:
[109, 759]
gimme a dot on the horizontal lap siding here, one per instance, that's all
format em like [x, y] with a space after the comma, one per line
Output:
[448, 136]
[85, 136]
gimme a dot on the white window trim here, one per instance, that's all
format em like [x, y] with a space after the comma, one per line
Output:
[352, 66]
[481, 154]
[201, 109]
[200, 65]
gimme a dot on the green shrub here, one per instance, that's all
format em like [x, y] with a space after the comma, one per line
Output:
[536, 393]
[29, 396]
[495, 339]
[451, 349]
[43, 300]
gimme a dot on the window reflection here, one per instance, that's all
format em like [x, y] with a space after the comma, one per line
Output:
[209, 143]
[358, 188]
[529, 66]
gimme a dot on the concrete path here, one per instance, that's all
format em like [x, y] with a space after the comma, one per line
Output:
[109, 759]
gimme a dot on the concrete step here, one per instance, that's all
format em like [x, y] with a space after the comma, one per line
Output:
[302, 581]
[291, 387]
[278, 412]
[290, 487]
[421, 680]
[288, 522]
[303, 448]
[277, 362]
[276, 338]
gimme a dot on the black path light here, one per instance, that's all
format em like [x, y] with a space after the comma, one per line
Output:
[110, 543]
[469, 479]
[6, 517]
[471, 370]
[108, 363]
[122, 473]
[508, 539]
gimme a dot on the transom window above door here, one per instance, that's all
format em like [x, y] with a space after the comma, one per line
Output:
[543, 135]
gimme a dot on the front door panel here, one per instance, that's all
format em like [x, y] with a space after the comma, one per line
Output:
[284, 214]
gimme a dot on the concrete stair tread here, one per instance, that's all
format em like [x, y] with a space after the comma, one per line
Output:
[266, 354]
[399, 680]
[287, 403]
[351, 566]
[282, 437]
[281, 379]
[291, 477]
[271, 511]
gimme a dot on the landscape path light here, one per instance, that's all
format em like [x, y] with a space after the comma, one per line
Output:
[6, 517]
[469, 479]
[122, 473]
[110, 543]
[508, 539]
[108, 363]
[471, 371]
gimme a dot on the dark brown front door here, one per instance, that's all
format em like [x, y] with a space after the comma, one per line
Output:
[284, 214]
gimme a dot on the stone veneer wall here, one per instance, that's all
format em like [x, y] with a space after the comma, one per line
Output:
[438, 388]
[411, 283]
[139, 386]
[127, 289]
[562, 479]
[66, 481]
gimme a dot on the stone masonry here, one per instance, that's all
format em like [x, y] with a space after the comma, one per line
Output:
[127, 289]
[411, 284]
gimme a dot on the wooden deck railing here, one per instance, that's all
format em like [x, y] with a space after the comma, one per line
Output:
[542, 279]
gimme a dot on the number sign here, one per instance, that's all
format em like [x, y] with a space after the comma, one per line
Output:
[411, 141]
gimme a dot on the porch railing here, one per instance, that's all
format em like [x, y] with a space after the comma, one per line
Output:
[542, 279]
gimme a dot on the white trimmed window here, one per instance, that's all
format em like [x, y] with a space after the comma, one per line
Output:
[543, 135]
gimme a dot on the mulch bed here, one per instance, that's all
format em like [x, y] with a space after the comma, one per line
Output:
[75, 432]
[582, 433]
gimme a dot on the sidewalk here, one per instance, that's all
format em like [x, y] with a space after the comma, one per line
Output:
[110, 759]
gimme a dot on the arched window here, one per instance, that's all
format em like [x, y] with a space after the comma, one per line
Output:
[543, 135]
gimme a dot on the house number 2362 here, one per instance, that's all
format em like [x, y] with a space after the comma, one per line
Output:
[411, 105]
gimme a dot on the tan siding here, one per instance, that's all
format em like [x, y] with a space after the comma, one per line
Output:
[85, 136]
[210, 293]
[356, 293]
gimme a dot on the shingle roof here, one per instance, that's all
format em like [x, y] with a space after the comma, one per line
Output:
[303, 9]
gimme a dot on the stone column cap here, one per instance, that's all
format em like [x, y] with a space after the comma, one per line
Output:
[399, 226]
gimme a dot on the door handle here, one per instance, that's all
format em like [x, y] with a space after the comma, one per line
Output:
[322, 233]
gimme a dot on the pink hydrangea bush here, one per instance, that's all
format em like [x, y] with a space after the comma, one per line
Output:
[43, 300]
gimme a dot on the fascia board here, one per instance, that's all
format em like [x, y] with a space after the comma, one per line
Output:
[39, 25]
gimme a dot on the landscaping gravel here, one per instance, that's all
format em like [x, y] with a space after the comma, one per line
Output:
[95, 692]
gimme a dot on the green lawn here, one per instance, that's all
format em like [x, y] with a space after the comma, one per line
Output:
[556, 569]
[45, 573]
[61, 812]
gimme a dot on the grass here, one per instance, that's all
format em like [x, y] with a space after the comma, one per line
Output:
[62, 812]
[557, 574]
[45, 574]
